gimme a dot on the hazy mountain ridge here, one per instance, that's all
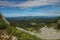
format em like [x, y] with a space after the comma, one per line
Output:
[32, 18]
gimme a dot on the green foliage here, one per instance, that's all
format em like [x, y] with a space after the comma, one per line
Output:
[10, 29]
[2, 22]
[26, 36]
[20, 34]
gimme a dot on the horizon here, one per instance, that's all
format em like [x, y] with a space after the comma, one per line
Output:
[18, 8]
[35, 17]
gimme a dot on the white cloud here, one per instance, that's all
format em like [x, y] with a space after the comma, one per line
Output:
[36, 3]
[7, 3]
[28, 4]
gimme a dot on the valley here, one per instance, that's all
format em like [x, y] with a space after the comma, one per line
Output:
[30, 30]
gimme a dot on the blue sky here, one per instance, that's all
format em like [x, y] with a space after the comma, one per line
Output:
[15, 8]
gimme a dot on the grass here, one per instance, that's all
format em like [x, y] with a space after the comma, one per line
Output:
[11, 30]
[20, 34]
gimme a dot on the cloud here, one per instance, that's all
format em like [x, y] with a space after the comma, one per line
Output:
[35, 3]
[28, 4]
[7, 3]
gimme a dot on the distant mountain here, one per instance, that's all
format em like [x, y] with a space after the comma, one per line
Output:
[31, 18]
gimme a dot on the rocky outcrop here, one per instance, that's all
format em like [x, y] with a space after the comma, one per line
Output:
[5, 36]
[3, 33]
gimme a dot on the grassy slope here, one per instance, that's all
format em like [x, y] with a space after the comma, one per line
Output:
[11, 30]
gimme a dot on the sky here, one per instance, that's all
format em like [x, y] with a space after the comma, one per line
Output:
[17, 8]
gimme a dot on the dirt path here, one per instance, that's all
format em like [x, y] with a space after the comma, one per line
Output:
[46, 33]
[32, 33]
[49, 33]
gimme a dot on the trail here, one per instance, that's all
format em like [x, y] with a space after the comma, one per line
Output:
[32, 33]
[49, 33]
[46, 33]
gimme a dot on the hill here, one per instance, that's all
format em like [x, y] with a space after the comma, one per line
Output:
[4, 26]
[24, 30]
[9, 32]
